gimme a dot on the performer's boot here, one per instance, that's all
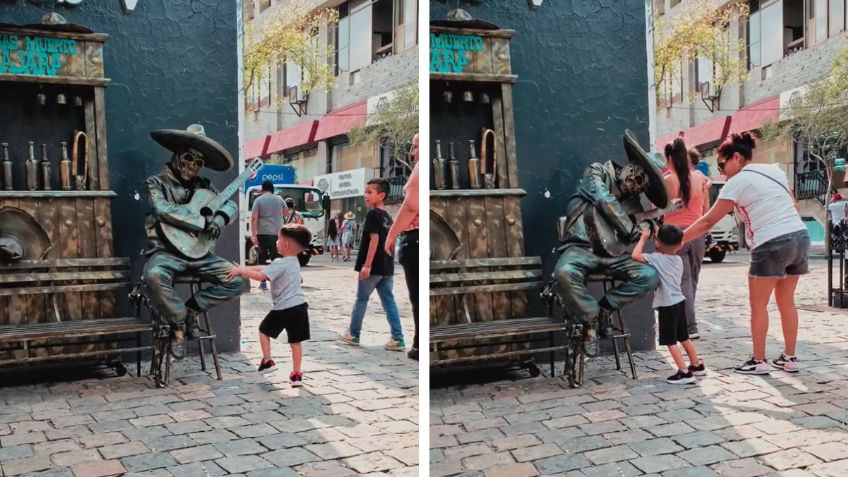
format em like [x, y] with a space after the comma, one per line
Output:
[192, 330]
[177, 343]
[605, 323]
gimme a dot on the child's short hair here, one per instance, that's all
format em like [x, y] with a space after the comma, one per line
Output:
[382, 186]
[298, 232]
[670, 235]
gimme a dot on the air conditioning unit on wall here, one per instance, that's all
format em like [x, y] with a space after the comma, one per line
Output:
[298, 100]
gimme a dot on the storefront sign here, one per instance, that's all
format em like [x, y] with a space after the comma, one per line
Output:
[342, 184]
[34, 55]
[449, 51]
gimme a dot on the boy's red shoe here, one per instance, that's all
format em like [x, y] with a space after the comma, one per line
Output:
[267, 366]
[296, 379]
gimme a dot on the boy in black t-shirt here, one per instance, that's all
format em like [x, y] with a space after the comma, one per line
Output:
[376, 268]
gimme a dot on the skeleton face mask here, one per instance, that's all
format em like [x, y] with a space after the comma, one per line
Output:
[632, 179]
[188, 164]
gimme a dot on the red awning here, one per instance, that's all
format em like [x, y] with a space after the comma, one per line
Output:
[755, 115]
[298, 135]
[714, 130]
[339, 122]
[256, 147]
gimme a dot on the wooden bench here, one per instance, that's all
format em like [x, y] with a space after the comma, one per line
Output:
[54, 284]
[466, 277]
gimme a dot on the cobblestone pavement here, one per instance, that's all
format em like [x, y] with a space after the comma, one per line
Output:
[728, 424]
[357, 413]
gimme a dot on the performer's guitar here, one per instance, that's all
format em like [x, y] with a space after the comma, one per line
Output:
[604, 237]
[204, 203]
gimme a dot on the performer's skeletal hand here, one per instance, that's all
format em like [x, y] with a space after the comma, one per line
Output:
[215, 226]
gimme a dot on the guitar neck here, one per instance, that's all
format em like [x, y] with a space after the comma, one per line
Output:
[231, 189]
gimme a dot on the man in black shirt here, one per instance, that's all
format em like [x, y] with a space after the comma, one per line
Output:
[376, 268]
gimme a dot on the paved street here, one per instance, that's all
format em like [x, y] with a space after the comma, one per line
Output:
[728, 424]
[356, 415]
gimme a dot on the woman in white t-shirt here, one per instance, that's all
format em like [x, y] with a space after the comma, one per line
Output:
[779, 244]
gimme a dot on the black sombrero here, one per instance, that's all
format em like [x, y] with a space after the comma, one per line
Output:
[652, 165]
[215, 156]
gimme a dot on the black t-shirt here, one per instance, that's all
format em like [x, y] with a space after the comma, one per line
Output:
[377, 221]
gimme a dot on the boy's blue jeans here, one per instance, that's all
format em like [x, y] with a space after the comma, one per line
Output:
[383, 285]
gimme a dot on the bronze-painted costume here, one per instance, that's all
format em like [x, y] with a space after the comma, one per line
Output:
[169, 192]
[610, 192]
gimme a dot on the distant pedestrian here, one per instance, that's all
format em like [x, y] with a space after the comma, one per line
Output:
[334, 237]
[292, 216]
[266, 218]
[348, 227]
[670, 302]
[376, 268]
[290, 310]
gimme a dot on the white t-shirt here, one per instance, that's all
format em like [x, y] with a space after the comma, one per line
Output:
[670, 270]
[762, 203]
[284, 275]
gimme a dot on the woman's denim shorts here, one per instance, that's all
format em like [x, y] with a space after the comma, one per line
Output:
[781, 256]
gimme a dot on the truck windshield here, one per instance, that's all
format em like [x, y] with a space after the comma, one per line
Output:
[307, 200]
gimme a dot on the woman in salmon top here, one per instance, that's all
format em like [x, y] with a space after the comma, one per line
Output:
[685, 183]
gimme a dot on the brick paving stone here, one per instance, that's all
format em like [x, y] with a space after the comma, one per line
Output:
[196, 454]
[325, 469]
[290, 457]
[691, 472]
[618, 469]
[513, 470]
[517, 442]
[659, 463]
[30, 464]
[123, 450]
[461, 452]
[281, 440]
[26, 438]
[788, 459]
[657, 446]
[748, 467]
[102, 440]
[541, 451]
[169, 443]
[240, 447]
[153, 460]
[828, 452]
[245, 463]
[611, 454]
[71, 458]
[837, 468]
[408, 455]
[561, 463]
[213, 436]
[198, 469]
[706, 455]
[483, 462]
[750, 447]
[333, 450]
[15, 452]
[103, 468]
[698, 439]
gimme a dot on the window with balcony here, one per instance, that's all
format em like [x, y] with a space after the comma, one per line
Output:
[775, 30]
[369, 31]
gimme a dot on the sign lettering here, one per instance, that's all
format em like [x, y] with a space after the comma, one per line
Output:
[448, 51]
[34, 55]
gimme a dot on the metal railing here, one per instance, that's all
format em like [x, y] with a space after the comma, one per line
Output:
[396, 189]
[811, 185]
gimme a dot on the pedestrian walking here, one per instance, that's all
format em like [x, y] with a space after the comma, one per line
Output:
[266, 219]
[669, 300]
[290, 310]
[689, 185]
[779, 244]
[334, 237]
[405, 229]
[292, 216]
[347, 234]
[376, 268]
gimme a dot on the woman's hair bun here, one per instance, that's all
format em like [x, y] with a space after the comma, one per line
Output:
[669, 149]
[747, 139]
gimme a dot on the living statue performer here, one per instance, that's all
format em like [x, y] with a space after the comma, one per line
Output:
[170, 193]
[599, 225]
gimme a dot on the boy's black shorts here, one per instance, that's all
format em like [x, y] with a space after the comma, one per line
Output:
[672, 323]
[294, 320]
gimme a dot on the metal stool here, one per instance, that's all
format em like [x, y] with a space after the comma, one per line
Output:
[206, 334]
[575, 352]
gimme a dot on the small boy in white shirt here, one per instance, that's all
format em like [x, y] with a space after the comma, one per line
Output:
[670, 302]
[290, 310]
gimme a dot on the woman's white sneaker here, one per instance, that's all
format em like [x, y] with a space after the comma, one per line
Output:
[786, 363]
[753, 366]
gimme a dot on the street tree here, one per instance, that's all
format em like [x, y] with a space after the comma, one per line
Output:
[394, 122]
[700, 32]
[290, 35]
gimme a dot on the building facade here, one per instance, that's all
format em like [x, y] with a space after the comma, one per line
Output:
[376, 53]
[788, 44]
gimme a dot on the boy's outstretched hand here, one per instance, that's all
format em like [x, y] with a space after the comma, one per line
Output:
[235, 271]
[645, 234]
